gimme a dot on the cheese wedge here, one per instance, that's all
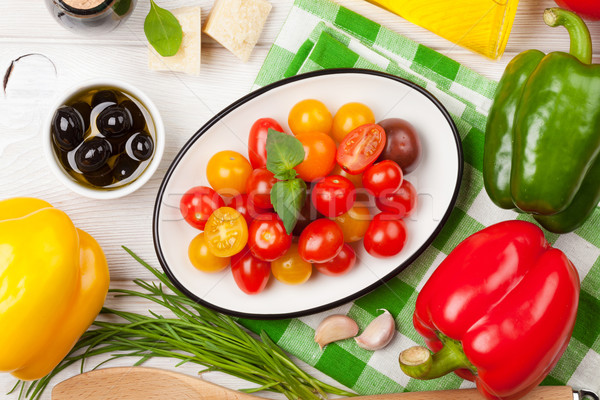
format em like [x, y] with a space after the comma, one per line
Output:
[187, 59]
[237, 24]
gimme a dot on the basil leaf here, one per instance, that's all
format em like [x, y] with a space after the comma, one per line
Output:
[285, 175]
[163, 30]
[284, 152]
[288, 198]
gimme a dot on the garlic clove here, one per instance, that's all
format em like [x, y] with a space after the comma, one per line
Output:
[379, 332]
[333, 328]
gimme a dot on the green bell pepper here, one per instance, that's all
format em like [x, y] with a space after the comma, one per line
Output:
[542, 144]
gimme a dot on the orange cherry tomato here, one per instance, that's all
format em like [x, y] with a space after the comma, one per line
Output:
[354, 223]
[226, 232]
[310, 115]
[349, 117]
[202, 258]
[227, 172]
[290, 268]
[319, 156]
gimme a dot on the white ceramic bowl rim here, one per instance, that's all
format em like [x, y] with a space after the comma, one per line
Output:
[157, 206]
[99, 193]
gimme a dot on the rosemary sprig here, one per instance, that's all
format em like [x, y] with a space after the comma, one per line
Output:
[197, 335]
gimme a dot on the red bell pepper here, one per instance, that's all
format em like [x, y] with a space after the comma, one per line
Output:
[588, 9]
[499, 310]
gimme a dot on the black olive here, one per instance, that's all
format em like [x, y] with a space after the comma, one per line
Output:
[118, 144]
[92, 154]
[84, 110]
[104, 96]
[124, 167]
[141, 146]
[137, 117]
[114, 121]
[67, 128]
[102, 177]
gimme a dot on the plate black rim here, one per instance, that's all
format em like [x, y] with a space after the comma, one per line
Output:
[324, 307]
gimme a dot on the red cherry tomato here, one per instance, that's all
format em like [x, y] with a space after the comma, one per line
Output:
[402, 203]
[341, 264]
[198, 203]
[259, 188]
[321, 241]
[267, 237]
[333, 195]
[383, 178]
[250, 274]
[241, 204]
[360, 148]
[257, 141]
[385, 236]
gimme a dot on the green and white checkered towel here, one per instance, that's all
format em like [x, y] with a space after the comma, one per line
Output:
[320, 34]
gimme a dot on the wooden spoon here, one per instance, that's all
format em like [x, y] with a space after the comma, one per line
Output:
[141, 383]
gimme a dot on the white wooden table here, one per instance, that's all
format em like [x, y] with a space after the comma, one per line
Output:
[185, 103]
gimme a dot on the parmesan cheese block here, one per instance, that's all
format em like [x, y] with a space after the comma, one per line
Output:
[237, 24]
[187, 59]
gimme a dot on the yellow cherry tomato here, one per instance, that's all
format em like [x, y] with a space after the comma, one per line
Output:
[354, 223]
[227, 172]
[290, 268]
[310, 115]
[202, 258]
[226, 232]
[348, 117]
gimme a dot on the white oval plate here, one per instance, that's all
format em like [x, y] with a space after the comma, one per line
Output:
[437, 180]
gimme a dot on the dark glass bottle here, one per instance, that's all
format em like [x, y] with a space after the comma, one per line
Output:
[91, 17]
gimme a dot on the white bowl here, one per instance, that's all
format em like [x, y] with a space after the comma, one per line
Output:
[437, 180]
[104, 193]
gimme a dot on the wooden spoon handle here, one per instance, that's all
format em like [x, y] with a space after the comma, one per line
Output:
[539, 393]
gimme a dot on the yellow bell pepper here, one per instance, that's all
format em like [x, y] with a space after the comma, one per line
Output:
[53, 283]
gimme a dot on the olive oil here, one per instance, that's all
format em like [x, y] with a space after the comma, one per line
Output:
[91, 17]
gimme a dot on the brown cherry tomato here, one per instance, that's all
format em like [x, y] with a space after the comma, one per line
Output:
[403, 144]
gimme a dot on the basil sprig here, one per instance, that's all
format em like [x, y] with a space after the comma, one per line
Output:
[288, 195]
[163, 30]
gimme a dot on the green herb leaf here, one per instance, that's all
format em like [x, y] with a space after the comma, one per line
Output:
[288, 198]
[284, 152]
[163, 30]
[285, 175]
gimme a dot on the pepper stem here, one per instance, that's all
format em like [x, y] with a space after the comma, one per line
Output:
[581, 41]
[419, 363]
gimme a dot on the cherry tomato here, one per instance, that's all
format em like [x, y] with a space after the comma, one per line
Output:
[350, 116]
[319, 155]
[310, 115]
[257, 141]
[201, 257]
[241, 204]
[259, 187]
[402, 203]
[226, 232]
[360, 148]
[267, 237]
[355, 179]
[341, 264]
[383, 178]
[386, 236]
[227, 172]
[354, 223]
[250, 274]
[197, 204]
[402, 144]
[290, 268]
[333, 195]
[321, 241]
